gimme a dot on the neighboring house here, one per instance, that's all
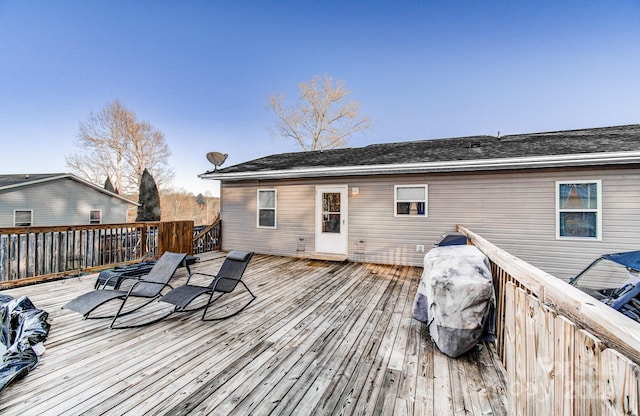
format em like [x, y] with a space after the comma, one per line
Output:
[557, 200]
[58, 199]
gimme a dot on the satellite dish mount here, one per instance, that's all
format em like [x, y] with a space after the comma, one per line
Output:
[216, 159]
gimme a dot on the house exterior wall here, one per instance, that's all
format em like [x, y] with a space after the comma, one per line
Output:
[60, 202]
[516, 210]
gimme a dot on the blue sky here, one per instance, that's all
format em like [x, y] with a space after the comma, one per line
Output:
[202, 71]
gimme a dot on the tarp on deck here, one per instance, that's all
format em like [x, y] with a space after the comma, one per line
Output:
[24, 329]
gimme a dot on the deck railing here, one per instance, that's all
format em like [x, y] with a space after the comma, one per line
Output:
[207, 238]
[563, 351]
[34, 254]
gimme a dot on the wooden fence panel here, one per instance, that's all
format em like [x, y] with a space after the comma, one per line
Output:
[619, 384]
[564, 364]
[175, 236]
[587, 385]
[560, 365]
[543, 348]
[521, 368]
[509, 358]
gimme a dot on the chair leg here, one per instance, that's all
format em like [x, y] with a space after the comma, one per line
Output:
[118, 314]
[178, 309]
[86, 316]
[253, 297]
[141, 325]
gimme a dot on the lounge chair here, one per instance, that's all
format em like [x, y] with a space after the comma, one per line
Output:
[114, 277]
[149, 287]
[228, 277]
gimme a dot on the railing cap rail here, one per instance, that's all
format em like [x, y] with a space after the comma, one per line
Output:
[613, 328]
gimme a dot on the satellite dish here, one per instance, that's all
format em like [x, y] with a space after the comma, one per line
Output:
[216, 159]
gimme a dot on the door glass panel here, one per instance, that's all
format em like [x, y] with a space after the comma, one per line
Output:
[331, 212]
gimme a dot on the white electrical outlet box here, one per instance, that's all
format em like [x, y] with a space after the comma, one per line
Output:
[420, 248]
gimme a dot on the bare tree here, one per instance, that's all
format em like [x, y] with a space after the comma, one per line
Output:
[112, 143]
[148, 150]
[321, 119]
[179, 204]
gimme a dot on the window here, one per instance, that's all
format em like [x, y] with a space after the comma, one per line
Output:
[266, 208]
[95, 217]
[22, 218]
[331, 212]
[579, 210]
[411, 200]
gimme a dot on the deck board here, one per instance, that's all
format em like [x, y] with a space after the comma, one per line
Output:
[321, 338]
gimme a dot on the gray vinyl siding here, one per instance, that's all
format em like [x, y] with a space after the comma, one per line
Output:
[513, 209]
[295, 214]
[60, 202]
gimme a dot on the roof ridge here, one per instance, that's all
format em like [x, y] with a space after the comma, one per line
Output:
[573, 130]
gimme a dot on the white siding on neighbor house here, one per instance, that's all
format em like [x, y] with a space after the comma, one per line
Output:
[513, 209]
[60, 202]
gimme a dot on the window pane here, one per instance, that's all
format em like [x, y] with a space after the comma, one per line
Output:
[95, 217]
[410, 193]
[578, 196]
[267, 199]
[402, 208]
[331, 202]
[578, 224]
[410, 208]
[331, 223]
[267, 218]
[22, 218]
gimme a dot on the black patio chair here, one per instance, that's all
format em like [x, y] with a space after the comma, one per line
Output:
[149, 287]
[227, 279]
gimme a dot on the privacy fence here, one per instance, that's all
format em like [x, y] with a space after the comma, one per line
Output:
[564, 352]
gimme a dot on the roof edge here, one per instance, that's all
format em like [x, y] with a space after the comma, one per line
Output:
[535, 162]
[73, 178]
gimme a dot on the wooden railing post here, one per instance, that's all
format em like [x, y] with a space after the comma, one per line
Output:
[143, 242]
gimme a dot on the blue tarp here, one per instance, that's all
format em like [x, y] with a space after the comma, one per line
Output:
[630, 259]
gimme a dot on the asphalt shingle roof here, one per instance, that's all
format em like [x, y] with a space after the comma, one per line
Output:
[594, 140]
[20, 179]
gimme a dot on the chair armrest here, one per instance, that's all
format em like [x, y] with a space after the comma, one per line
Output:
[199, 274]
[116, 277]
[123, 278]
[138, 281]
[219, 279]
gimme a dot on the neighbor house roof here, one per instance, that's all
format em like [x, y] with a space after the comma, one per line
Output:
[25, 179]
[586, 147]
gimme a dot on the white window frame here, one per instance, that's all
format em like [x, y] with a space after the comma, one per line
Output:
[396, 200]
[30, 211]
[100, 218]
[597, 210]
[275, 209]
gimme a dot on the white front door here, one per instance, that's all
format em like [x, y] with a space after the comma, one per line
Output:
[331, 219]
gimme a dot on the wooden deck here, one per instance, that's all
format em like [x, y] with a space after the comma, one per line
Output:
[321, 338]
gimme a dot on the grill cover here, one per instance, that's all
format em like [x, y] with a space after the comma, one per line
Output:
[455, 298]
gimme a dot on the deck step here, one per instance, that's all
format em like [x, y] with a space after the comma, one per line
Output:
[328, 257]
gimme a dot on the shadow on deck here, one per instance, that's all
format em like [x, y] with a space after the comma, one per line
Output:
[321, 338]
